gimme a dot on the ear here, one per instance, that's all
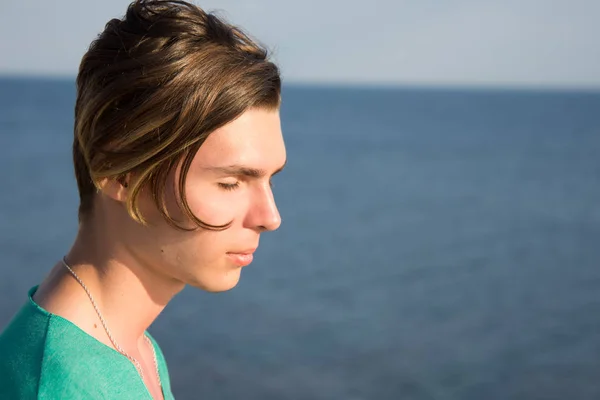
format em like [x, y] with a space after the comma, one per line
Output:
[115, 188]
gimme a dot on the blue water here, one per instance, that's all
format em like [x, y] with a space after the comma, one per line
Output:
[436, 244]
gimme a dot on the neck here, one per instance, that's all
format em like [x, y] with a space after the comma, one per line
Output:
[129, 295]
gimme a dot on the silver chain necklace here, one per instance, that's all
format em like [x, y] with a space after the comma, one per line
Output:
[112, 339]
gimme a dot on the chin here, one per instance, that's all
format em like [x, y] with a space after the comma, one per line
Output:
[219, 283]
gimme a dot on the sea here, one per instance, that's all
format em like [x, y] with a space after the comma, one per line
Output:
[437, 243]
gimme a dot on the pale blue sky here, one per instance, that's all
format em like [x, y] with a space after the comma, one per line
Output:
[472, 42]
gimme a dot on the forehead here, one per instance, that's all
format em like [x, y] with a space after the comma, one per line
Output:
[254, 139]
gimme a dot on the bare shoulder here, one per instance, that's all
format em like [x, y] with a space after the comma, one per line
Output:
[60, 295]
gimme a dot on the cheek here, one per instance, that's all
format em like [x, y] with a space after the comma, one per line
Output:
[214, 206]
[206, 201]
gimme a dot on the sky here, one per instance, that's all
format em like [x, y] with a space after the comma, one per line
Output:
[533, 43]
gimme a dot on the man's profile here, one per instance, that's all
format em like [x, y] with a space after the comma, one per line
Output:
[176, 138]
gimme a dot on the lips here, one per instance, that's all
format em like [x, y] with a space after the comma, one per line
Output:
[243, 257]
[249, 250]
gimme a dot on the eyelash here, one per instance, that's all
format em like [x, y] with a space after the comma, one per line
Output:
[233, 186]
[229, 186]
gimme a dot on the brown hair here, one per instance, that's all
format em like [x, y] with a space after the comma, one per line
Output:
[150, 90]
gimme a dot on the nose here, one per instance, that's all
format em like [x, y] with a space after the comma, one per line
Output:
[264, 215]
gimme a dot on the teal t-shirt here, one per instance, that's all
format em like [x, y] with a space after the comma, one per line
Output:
[45, 356]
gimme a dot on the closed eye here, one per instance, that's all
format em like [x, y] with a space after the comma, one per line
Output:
[229, 186]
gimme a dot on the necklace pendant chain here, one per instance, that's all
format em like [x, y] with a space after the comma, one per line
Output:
[135, 362]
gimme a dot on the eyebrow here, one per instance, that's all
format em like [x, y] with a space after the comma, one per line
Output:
[240, 170]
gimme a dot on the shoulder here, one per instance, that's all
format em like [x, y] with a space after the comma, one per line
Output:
[22, 346]
[59, 380]
[72, 367]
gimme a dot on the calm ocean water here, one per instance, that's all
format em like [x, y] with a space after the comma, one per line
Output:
[435, 245]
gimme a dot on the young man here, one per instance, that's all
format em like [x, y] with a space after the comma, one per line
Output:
[177, 135]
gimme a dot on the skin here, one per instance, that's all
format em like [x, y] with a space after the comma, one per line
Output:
[133, 270]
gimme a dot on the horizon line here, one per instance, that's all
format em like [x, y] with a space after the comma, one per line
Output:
[375, 85]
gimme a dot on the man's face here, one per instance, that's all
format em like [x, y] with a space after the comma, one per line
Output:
[228, 181]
